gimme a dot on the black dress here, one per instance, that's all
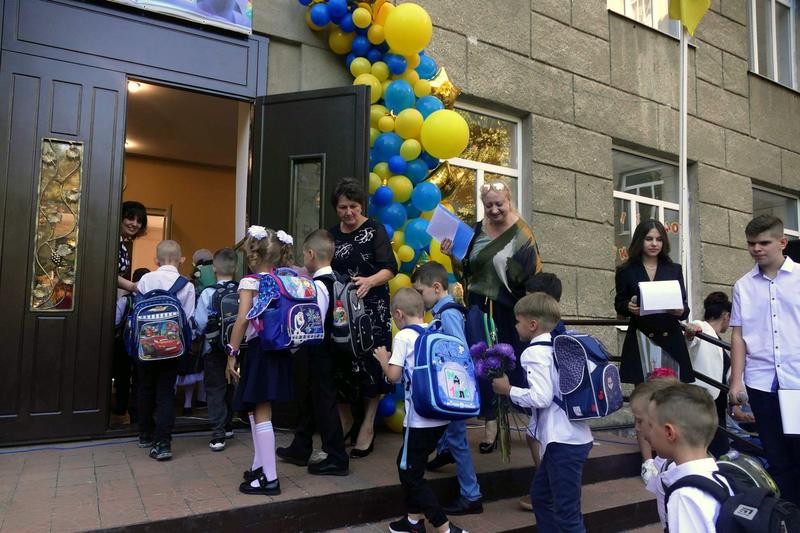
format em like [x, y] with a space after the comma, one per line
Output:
[662, 329]
[365, 252]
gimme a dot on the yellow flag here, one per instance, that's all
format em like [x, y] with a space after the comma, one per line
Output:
[689, 12]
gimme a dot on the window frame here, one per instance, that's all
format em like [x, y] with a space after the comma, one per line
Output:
[772, 38]
[788, 232]
[674, 24]
[481, 168]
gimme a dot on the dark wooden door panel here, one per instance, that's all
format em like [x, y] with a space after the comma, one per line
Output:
[56, 363]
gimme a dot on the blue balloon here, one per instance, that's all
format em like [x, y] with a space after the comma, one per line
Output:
[320, 15]
[393, 215]
[383, 47]
[346, 23]
[383, 196]
[427, 67]
[305, 2]
[362, 31]
[426, 196]
[389, 231]
[387, 145]
[428, 104]
[431, 161]
[399, 95]
[397, 164]
[374, 55]
[349, 59]
[337, 8]
[417, 170]
[397, 64]
[386, 406]
[360, 45]
[411, 211]
[416, 234]
[372, 211]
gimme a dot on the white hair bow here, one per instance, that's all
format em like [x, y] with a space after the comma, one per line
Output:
[257, 232]
[284, 237]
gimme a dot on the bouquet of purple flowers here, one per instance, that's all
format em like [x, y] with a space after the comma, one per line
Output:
[493, 362]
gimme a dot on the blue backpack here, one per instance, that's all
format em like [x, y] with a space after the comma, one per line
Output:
[157, 328]
[286, 311]
[443, 382]
[588, 382]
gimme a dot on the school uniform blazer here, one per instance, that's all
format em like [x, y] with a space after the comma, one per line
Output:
[662, 329]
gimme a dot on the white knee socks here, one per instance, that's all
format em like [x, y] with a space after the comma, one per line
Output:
[265, 444]
[256, 457]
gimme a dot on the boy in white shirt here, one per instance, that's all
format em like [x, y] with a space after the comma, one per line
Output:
[564, 444]
[421, 434]
[682, 420]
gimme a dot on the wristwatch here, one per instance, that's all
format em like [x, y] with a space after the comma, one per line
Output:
[231, 351]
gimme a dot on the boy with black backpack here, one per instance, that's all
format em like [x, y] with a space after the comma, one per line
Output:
[216, 313]
[158, 342]
[430, 280]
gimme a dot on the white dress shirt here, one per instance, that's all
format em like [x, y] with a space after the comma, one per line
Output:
[707, 359]
[323, 298]
[549, 423]
[655, 486]
[164, 278]
[768, 311]
[691, 509]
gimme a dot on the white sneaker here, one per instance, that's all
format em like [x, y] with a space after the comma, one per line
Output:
[228, 433]
[217, 445]
[649, 470]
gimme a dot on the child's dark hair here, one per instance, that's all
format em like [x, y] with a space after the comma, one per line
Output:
[545, 282]
[430, 273]
[715, 304]
[138, 273]
[351, 189]
[134, 211]
[636, 248]
[321, 242]
[225, 260]
[764, 223]
[263, 251]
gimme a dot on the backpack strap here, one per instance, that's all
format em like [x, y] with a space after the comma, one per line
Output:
[713, 487]
[179, 284]
[416, 327]
[452, 305]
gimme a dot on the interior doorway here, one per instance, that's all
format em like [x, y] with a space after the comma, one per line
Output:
[186, 161]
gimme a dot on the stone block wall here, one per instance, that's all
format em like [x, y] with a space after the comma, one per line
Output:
[585, 79]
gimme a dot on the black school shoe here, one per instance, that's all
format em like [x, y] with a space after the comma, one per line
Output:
[146, 440]
[404, 526]
[266, 488]
[161, 451]
[441, 459]
[328, 467]
[250, 475]
[462, 506]
[291, 455]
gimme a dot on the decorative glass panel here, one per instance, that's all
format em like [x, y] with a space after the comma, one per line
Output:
[672, 223]
[462, 196]
[306, 201]
[55, 254]
[491, 140]
[622, 229]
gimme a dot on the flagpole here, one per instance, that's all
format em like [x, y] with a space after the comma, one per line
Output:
[682, 172]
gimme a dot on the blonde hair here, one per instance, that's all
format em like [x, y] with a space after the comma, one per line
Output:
[225, 261]
[646, 389]
[168, 252]
[690, 409]
[541, 307]
[409, 302]
[496, 185]
[321, 242]
[264, 251]
[286, 257]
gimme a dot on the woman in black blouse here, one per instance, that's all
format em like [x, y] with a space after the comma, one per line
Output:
[133, 223]
[364, 254]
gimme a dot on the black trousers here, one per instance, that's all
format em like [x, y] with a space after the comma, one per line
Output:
[123, 369]
[157, 398]
[720, 445]
[219, 393]
[318, 411]
[420, 499]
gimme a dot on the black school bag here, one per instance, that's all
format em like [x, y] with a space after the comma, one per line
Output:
[749, 510]
[224, 310]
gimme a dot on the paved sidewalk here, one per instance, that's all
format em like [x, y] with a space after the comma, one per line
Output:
[99, 484]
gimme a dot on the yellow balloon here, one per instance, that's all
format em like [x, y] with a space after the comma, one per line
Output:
[362, 18]
[447, 205]
[422, 88]
[398, 239]
[376, 111]
[402, 188]
[410, 75]
[395, 422]
[374, 182]
[410, 149]
[395, 329]
[408, 123]
[339, 41]
[359, 66]
[373, 134]
[437, 255]
[375, 86]
[375, 34]
[405, 253]
[426, 215]
[428, 317]
[413, 60]
[444, 134]
[383, 13]
[380, 70]
[408, 29]
[398, 282]
[386, 123]
[385, 84]
[366, 6]
[382, 170]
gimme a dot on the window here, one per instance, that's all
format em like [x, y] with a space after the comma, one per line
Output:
[653, 13]
[644, 188]
[493, 154]
[785, 207]
[773, 39]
